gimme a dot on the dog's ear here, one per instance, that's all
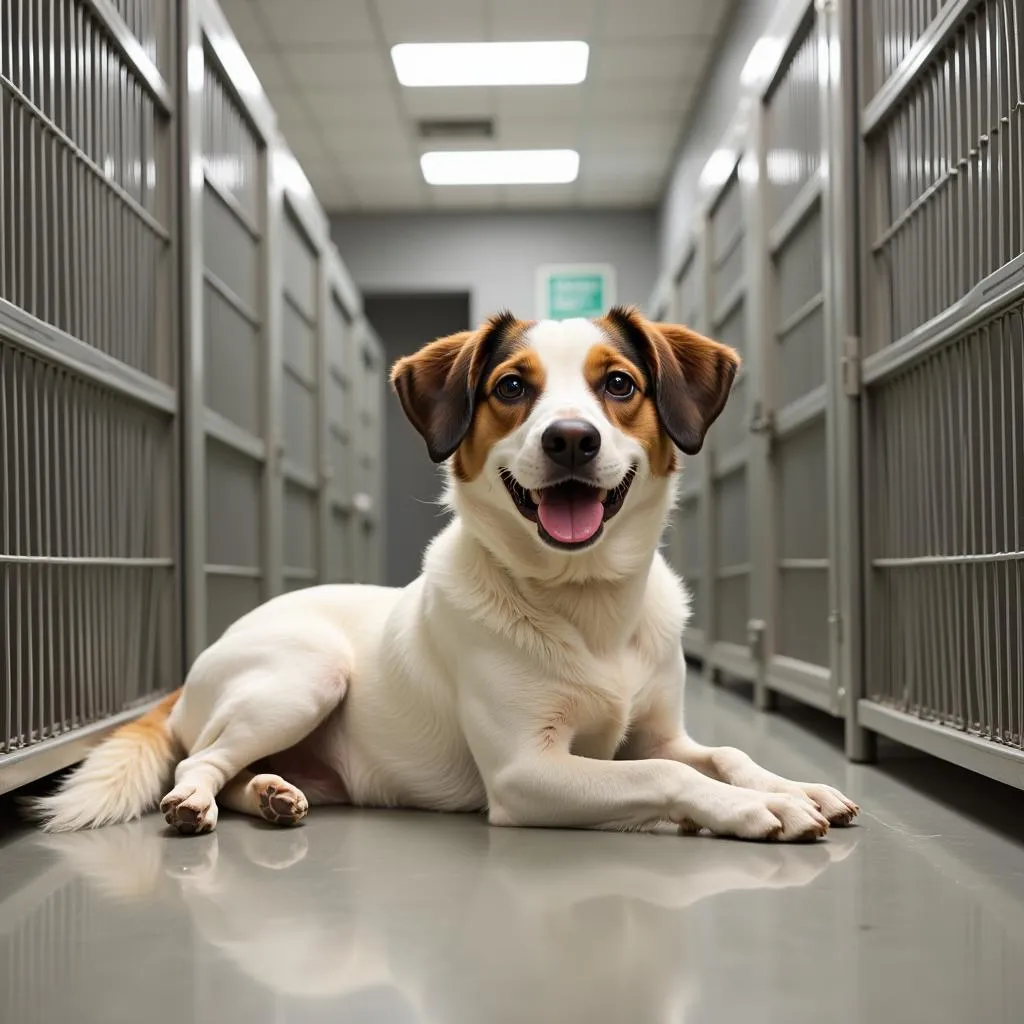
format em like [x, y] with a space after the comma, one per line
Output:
[437, 389]
[691, 375]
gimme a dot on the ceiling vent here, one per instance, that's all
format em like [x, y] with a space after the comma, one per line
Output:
[456, 128]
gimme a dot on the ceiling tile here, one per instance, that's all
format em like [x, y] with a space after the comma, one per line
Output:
[619, 193]
[245, 21]
[535, 196]
[426, 21]
[563, 101]
[527, 20]
[666, 63]
[658, 19]
[270, 70]
[449, 103]
[530, 133]
[350, 107]
[470, 197]
[351, 68]
[316, 23]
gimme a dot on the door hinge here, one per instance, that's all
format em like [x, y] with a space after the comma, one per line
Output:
[835, 621]
[851, 366]
[756, 629]
[762, 421]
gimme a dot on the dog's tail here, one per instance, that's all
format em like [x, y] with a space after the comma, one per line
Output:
[119, 780]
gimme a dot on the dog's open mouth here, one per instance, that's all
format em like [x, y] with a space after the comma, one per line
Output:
[570, 514]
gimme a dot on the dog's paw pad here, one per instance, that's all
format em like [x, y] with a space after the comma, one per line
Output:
[189, 812]
[280, 802]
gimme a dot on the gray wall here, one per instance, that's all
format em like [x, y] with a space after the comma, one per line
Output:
[412, 482]
[719, 97]
[494, 256]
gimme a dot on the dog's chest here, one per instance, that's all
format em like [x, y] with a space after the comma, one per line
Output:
[602, 709]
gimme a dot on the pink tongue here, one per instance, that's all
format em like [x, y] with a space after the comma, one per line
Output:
[571, 515]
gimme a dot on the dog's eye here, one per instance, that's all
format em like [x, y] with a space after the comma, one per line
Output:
[619, 385]
[510, 388]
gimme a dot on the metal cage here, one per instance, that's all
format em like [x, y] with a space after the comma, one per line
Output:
[177, 332]
[89, 561]
[943, 410]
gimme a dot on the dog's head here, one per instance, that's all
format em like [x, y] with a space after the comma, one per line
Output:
[562, 425]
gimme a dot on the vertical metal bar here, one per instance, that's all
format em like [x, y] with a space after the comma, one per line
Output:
[191, 112]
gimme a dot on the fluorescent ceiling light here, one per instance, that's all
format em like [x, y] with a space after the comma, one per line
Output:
[423, 64]
[501, 167]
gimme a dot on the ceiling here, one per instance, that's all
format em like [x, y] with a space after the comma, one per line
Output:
[327, 68]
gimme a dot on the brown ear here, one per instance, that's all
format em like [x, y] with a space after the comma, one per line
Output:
[692, 375]
[437, 389]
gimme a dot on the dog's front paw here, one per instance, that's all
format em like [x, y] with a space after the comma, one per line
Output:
[840, 810]
[777, 817]
[189, 810]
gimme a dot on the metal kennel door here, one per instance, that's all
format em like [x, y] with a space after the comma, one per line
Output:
[88, 374]
[942, 122]
[795, 535]
[230, 353]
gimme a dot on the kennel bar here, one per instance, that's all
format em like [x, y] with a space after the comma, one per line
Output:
[89, 559]
[942, 148]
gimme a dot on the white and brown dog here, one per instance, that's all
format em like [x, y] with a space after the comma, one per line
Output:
[533, 670]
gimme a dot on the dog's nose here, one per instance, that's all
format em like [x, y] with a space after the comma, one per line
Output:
[571, 443]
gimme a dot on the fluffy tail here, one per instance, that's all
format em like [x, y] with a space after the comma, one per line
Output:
[120, 779]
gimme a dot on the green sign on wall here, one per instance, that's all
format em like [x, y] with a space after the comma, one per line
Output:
[564, 292]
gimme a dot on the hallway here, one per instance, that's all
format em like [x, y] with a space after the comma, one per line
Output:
[387, 917]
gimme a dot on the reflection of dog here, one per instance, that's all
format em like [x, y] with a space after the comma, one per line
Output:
[396, 922]
[533, 669]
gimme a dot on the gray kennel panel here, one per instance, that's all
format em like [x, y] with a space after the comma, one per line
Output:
[890, 30]
[232, 152]
[88, 359]
[234, 508]
[799, 311]
[228, 598]
[300, 532]
[801, 466]
[945, 529]
[85, 201]
[732, 329]
[300, 344]
[732, 603]
[340, 556]
[802, 630]
[299, 267]
[732, 428]
[727, 231]
[732, 530]
[233, 380]
[87, 553]
[793, 123]
[944, 166]
[301, 428]
[231, 251]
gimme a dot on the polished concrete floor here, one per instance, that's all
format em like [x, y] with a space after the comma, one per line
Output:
[916, 915]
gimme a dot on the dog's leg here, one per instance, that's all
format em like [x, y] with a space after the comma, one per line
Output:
[732, 766]
[658, 733]
[257, 713]
[559, 789]
[265, 796]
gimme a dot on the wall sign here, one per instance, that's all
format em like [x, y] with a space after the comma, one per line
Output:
[574, 290]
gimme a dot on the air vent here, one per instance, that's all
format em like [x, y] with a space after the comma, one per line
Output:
[458, 128]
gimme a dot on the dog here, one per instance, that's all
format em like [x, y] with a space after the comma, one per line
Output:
[533, 671]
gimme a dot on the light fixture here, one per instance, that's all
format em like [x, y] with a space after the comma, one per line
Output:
[501, 167]
[447, 64]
